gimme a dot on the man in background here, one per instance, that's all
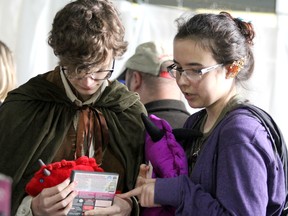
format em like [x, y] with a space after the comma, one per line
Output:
[146, 73]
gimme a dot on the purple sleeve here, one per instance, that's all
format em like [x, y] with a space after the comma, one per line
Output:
[248, 181]
[186, 197]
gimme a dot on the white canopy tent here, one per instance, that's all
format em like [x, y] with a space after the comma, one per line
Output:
[25, 25]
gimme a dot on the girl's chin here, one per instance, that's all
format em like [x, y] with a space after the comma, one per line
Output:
[194, 105]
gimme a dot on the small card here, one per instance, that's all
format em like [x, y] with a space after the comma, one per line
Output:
[95, 189]
[150, 171]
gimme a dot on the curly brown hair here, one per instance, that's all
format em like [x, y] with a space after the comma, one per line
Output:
[86, 32]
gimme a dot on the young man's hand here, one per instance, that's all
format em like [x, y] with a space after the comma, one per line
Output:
[54, 201]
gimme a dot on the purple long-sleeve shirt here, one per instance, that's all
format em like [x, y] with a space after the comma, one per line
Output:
[249, 175]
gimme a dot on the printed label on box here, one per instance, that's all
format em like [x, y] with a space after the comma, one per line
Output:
[95, 189]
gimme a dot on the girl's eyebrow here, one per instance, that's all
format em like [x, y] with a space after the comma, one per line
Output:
[189, 64]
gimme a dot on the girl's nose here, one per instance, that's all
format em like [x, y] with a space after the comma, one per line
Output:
[182, 80]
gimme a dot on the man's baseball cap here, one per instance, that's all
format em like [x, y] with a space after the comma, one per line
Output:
[148, 58]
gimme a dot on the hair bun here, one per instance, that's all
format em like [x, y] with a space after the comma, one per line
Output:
[246, 29]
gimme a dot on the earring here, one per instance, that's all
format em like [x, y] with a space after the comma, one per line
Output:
[235, 68]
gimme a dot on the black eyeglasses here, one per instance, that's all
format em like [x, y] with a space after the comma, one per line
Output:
[84, 71]
[191, 74]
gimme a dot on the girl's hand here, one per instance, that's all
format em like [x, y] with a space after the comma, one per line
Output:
[145, 193]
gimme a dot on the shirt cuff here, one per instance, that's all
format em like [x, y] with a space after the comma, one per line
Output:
[25, 207]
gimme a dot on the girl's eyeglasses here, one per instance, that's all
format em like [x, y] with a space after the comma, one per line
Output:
[191, 73]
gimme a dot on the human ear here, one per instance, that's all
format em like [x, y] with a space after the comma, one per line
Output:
[235, 68]
[137, 77]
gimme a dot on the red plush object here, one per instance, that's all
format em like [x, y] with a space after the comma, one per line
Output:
[59, 171]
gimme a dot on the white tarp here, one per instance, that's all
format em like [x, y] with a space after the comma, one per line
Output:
[25, 25]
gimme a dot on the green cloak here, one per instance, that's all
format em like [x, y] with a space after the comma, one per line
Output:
[35, 118]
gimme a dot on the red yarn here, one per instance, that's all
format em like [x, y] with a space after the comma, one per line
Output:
[60, 171]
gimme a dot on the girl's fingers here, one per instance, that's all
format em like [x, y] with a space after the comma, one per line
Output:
[135, 192]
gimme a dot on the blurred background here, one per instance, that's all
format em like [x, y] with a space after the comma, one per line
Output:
[25, 24]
